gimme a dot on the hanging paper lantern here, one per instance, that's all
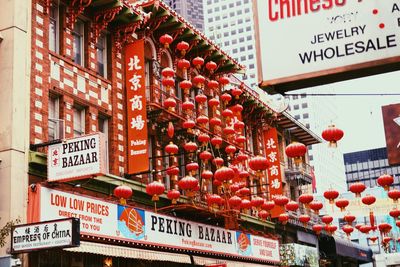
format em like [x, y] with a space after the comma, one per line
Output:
[316, 206]
[168, 82]
[218, 162]
[192, 167]
[245, 205]
[183, 64]
[342, 204]
[386, 240]
[123, 192]
[170, 104]
[268, 205]
[349, 218]
[394, 194]
[203, 138]
[227, 113]
[256, 202]
[202, 120]
[263, 214]
[357, 188]
[217, 183]
[373, 238]
[168, 72]
[182, 46]
[200, 98]
[330, 228]
[347, 229]
[368, 200]
[224, 174]
[296, 150]
[243, 174]
[170, 130]
[230, 149]
[236, 92]
[211, 66]
[173, 195]
[240, 139]
[226, 98]
[186, 85]
[283, 218]
[199, 81]
[385, 181]
[238, 125]
[398, 224]
[306, 199]
[395, 213]
[317, 228]
[233, 188]
[188, 107]
[212, 85]
[365, 229]
[237, 109]
[292, 206]
[358, 226]
[327, 219]
[241, 156]
[207, 175]
[332, 135]
[304, 219]
[235, 202]
[224, 80]
[155, 189]
[244, 192]
[171, 149]
[216, 141]
[173, 172]
[228, 131]
[384, 228]
[280, 200]
[188, 124]
[198, 62]
[166, 40]
[190, 147]
[205, 156]
[214, 201]
[215, 121]
[188, 184]
[258, 164]
[213, 103]
[331, 195]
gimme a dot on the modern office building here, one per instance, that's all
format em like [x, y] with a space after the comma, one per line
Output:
[366, 166]
[192, 10]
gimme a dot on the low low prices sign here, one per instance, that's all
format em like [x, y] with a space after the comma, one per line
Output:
[44, 235]
[311, 38]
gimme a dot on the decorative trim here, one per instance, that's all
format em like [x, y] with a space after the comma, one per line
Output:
[75, 8]
[101, 20]
[125, 34]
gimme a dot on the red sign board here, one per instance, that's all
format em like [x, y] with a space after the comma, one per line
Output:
[274, 170]
[138, 159]
[217, 265]
[391, 122]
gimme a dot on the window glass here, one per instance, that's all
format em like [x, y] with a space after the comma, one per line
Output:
[78, 34]
[54, 118]
[102, 55]
[79, 121]
[54, 28]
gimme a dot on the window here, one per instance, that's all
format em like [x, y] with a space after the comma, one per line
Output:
[78, 35]
[240, 30]
[242, 49]
[303, 95]
[210, 19]
[247, 10]
[296, 107]
[79, 121]
[305, 116]
[233, 32]
[304, 105]
[297, 117]
[251, 56]
[242, 58]
[251, 66]
[248, 28]
[226, 43]
[249, 47]
[102, 55]
[54, 28]
[234, 51]
[103, 128]
[54, 119]
[231, 5]
[226, 34]
[239, 12]
[234, 41]
[248, 38]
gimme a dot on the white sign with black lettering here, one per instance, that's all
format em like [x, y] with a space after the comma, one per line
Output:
[76, 158]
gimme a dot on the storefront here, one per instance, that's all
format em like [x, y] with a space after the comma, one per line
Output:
[129, 236]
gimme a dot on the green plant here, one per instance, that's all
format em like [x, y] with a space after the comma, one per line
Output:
[5, 231]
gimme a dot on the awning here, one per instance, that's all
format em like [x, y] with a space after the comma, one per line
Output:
[307, 238]
[341, 247]
[209, 261]
[126, 252]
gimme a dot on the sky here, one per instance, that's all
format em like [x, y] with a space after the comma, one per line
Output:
[360, 117]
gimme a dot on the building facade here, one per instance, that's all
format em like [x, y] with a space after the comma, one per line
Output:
[191, 10]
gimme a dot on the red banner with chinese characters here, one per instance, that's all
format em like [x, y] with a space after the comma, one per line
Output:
[138, 159]
[274, 169]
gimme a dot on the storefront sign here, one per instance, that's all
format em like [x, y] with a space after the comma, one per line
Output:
[76, 158]
[44, 235]
[391, 122]
[312, 38]
[109, 220]
[138, 159]
[274, 170]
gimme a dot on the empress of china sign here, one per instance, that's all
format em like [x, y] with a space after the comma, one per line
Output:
[76, 158]
[110, 220]
[310, 38]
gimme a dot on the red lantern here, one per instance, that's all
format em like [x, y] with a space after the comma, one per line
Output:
[368, 200]
[268, 205]
[238, 125]
[202, 120]
[317, 228]
[228, 131]
[198, 62]
[224, 174]
[386, 240]
[212, 85]
[292, 206]
[347, 229]
[190, 147]
[203, 138]
[200, 98]
[256, 202]
[365, 229]
[235, 202]
[207, 175]
[283, 218]
[327, 219]
[234, 187]
[342, 204]
[171, 148]
[330, 228]
[168, 82]
[395, 213]
[183, 64]
[211, 66]
[226, 98]
[192, 167]
[263, 214]
[214, 201]
[331, 195]
[215, 122]
[384, 228]
[244, 191]
[394, 194]
[218, 162]
[170, 130]
[258, 164]
[385, 181]
[173, 171]
[227, 113]
[183, 47]
[187, 107]
[296, 150]
[230, 150]
[188, 184]
[241, 157]
[155, 189]
[170, 104]
[166, 40]
[199, 81]
[332, 135]
[168, 73]
[373, 238]
[236, 92]
[398, 224]
[237, 109]
[123, 192]
[358, 226]
[245, 205]
[349, 218]
[243, 174]
[216, 141]
[186, 86]
[280, 200]
[306, 199]
[357, 188]
[240, 139]
[205, 156]
[316, 206]
[304, 219]
[224, 80]
[188, 124]
[173, 195]
[213, 103]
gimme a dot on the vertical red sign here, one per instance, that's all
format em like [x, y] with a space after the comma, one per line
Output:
[274, 169]
[391, 122]
[138, 159]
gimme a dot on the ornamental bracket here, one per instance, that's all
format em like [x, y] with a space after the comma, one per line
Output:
[101, 20]
[125, 34]
[74, 9]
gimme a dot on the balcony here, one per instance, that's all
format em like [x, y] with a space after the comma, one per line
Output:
[302, 172]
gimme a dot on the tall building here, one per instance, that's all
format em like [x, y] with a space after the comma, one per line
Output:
[366, 166]
[192, 10]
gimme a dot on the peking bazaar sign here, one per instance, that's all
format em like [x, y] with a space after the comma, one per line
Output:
[110, 220]
[138, 159]
[316, 38]
[274, 169]
[77, 158]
